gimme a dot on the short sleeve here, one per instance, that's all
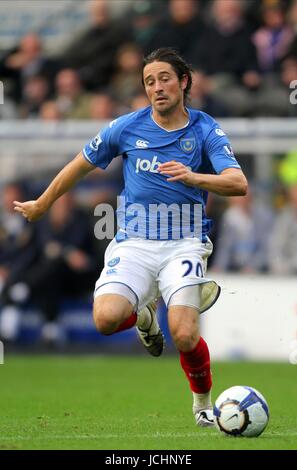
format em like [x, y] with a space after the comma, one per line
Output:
[219, 150]
[103, 147]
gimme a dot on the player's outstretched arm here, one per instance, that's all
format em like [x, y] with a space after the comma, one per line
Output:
[66, 179]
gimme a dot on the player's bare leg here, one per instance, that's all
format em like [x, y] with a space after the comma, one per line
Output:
[194, 357]
[113, 313]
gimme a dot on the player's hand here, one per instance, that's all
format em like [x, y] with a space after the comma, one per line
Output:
[177, 172]
[29, 209]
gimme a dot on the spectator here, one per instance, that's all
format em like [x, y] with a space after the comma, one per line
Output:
[242, 238]
[283, 243]
[226, 53]
[273, 97]
[201, 96]
[27, 61]
[72, 101]
[143, 17]
[280, 89]
[126, 82]
[273, 38]
[102, 107]
[92, 54]
[49, 111]
[36, 91]
[179, 28]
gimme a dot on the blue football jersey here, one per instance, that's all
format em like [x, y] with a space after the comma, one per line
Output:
[143, 144]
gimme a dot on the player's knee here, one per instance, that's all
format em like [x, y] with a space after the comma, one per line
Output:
[104, 325]
[185, 340]
[105, 319]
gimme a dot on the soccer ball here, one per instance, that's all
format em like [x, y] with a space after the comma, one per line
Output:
[241, 411]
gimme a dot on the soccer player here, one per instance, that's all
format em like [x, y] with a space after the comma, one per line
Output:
[172, 156]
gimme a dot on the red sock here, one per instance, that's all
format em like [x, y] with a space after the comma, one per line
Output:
[196, 365]
[127, 323]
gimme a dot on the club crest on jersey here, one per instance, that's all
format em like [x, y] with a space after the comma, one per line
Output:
[187, 145]
[113, 262]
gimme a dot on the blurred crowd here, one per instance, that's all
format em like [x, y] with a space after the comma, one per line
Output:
[43, 263]
[243, 53]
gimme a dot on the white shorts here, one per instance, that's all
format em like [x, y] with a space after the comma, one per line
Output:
[150, 268]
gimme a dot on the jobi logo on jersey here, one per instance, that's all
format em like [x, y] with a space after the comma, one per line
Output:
[146, 165]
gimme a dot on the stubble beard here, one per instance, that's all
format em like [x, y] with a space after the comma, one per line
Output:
[169, 109]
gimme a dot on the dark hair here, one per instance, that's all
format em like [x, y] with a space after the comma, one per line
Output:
[179, 65]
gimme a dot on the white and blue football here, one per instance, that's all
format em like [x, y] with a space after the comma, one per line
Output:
[241, 411]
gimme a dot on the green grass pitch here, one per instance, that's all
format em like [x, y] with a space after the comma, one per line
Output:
[112, 402]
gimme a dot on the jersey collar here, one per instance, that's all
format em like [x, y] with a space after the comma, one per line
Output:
[172, 130]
